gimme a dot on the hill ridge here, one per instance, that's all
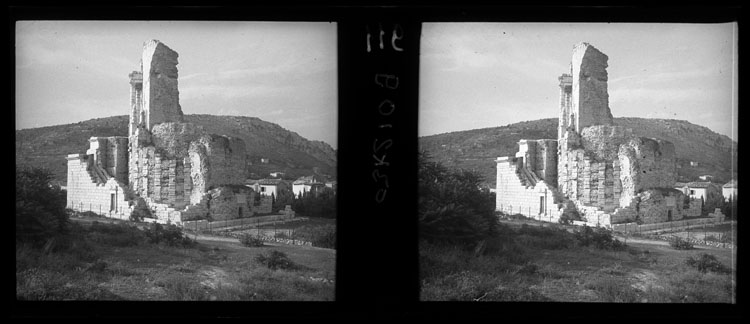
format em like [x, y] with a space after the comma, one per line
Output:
[285, 150]
[476, 149]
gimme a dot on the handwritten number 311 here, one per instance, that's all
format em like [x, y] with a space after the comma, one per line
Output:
[396, 34]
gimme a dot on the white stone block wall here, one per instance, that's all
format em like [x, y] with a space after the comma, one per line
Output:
[84, 194]
[513, 197]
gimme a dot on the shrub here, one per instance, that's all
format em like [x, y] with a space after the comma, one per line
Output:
[40, 206]
[569, 216]
[678, 243]
[600, 237]
[452, 208]
[707, 262]
[249, 240]
[276, 260]
[170, 235]
[115, 234]
[544, 238]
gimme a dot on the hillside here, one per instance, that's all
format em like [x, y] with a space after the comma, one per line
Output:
[285, 150]
[478, 148]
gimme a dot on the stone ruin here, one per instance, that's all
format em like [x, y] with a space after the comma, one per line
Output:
[602, 171]
[165, 168]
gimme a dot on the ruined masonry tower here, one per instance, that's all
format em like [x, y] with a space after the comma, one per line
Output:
[602, 171]
[165, 169]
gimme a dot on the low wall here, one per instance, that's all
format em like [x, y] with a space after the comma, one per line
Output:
[206, 225]
[665, 226]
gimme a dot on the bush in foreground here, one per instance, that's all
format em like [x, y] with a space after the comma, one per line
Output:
[601, 238]
[40, 206]
[452, 207]
[678, 243]
[249, 240]
[276, 260]
[707, 262]
[170, 235]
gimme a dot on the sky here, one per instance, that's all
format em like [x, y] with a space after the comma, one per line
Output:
[280, 72]
[478, 75]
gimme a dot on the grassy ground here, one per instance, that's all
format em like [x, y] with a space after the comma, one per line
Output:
[541, 264]
[121, 265]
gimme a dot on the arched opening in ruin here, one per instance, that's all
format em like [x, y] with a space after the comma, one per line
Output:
[669, 215]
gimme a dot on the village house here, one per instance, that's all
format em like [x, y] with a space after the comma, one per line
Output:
[701, 189]
[729, 190]
[267, 187]
[311, 184]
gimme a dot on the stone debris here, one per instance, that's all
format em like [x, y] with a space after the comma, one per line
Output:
[602, 171]
[165, 169]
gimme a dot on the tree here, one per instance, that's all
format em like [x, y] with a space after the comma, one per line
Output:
[452, 207]
[285, 197]
[40, 206]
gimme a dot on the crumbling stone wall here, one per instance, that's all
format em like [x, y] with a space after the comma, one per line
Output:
[110, 154]
[229, 202]
[540, 157]
[660, 205]
[589, 99]
[160, 94]
[173, 139]
[264, 205]
[567, 118]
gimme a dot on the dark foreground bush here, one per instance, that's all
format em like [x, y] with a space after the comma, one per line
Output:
[275, 260]
[121, 234]
[707, 262]
[678, 243]
[40, 206]
[601, 238]
[170, 235]
[249, 240]
[545, 238]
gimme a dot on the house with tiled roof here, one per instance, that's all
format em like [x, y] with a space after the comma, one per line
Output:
[266, 187]
[701, 189]
[311, 183]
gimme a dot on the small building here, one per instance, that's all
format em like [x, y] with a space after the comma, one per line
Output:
[729, 190]
[311, 183]
[693, 164]
[706, 177]
[701, 189]
[682, 186]
[276, 174]
[266, 187]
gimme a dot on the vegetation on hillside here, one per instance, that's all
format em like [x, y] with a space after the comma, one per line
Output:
[477, 149]
[285, 150]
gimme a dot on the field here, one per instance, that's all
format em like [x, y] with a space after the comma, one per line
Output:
[530, 263]
[115, 262]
